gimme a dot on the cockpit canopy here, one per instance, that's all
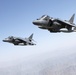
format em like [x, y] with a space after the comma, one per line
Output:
[44, 17]
[10, 37]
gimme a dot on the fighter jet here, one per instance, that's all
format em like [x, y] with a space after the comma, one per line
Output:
[55, 24]
[20, 41]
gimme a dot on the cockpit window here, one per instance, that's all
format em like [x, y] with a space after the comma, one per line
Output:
[10, 37]
[41, 17]
[45, 17]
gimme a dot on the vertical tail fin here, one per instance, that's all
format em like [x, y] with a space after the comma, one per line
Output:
[30, 37]
[72, 18]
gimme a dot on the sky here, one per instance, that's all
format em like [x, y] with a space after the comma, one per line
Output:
[16, 17]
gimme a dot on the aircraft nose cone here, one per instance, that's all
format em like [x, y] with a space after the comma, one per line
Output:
[4, 40]
[34, 22]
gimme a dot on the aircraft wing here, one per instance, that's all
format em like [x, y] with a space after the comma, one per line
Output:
[25, 41]
[65, 23]
[21, 40]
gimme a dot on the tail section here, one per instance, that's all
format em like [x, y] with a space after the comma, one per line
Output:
[30, 37]
[72, 19]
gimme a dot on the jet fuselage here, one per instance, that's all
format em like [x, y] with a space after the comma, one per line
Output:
[54, 24]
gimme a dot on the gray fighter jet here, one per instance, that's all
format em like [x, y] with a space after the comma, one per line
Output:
[55, 24]
[20, 41]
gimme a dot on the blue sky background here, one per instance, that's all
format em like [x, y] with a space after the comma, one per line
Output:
[16, 18]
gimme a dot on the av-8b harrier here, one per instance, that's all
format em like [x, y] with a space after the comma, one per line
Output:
[55, 24]
[20, 41]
